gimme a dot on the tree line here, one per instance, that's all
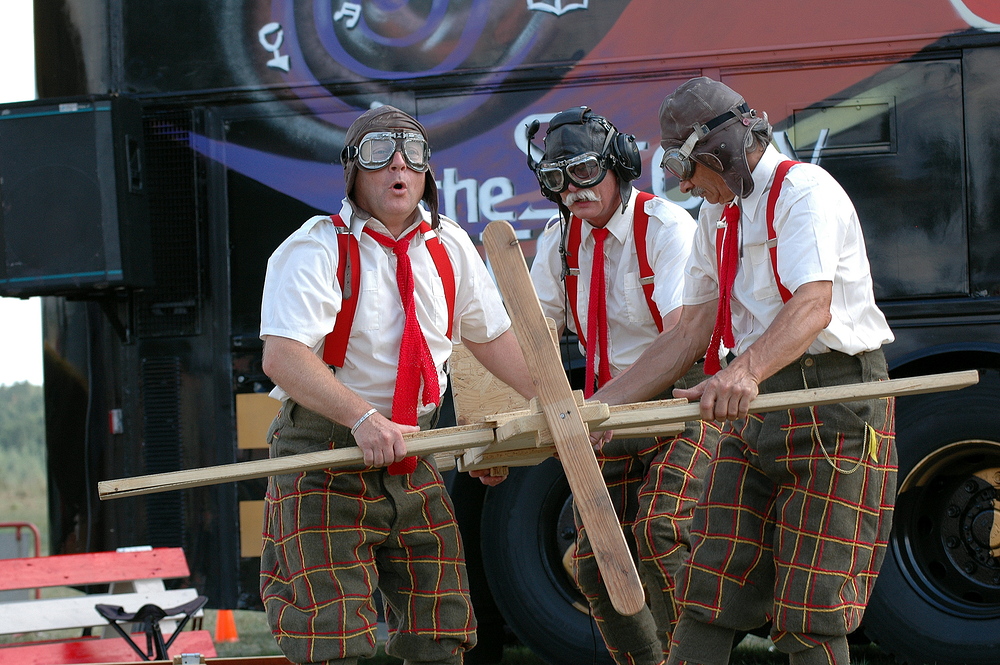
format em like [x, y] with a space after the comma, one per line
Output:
[22, 419]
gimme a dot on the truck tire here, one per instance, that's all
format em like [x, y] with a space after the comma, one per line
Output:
[937, 598]
[527, 528]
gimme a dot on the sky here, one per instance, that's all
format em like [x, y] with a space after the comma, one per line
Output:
[20, 320]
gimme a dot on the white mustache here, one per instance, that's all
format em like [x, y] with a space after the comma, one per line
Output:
[581, 195]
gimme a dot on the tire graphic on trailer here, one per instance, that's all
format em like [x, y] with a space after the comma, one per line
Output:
[527, 532]
[941, 576]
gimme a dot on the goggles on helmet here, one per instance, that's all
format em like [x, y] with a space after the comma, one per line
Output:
[377, 148]
[584, 170]
[678, 160]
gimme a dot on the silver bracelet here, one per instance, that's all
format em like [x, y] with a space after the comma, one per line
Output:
[362, 419]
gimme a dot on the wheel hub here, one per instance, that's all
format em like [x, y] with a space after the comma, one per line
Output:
[947, 528]
[970, 530]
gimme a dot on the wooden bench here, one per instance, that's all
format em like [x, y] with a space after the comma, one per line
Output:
[135, 578]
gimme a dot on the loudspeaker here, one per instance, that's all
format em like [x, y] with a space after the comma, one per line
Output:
[74, 216]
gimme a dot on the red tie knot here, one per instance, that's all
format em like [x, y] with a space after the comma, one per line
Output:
[399, 247]
[600, 234]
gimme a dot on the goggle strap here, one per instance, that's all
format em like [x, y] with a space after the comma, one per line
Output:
[704, 130]
[688, 147]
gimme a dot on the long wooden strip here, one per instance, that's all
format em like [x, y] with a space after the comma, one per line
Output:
[644, 414]
[569, 433]
[417, 443]
[456, 439]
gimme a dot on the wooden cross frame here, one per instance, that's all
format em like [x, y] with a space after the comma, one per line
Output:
[562, 415]
[558, 420]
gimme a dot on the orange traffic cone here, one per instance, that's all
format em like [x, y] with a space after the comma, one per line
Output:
[225, 627]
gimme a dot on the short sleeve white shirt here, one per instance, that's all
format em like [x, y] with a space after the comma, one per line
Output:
[302, 297]
[819, 238]
[631, 327]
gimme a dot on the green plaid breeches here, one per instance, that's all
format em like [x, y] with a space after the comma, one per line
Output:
[654, 485]
[332, 537]
[782, 534]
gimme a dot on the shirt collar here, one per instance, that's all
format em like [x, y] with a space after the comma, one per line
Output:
[762, 175]
[620, 222]
[359, 219]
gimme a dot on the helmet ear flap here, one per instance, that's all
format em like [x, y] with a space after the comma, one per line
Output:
[625, 155]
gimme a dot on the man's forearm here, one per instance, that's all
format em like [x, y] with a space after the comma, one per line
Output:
[307, 380]
[664, 361]
[791, 333]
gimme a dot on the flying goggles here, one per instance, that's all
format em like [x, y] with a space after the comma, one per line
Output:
[377, 148]
[584, 170]
[678, 159]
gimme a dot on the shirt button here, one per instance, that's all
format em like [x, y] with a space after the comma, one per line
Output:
[809, 362]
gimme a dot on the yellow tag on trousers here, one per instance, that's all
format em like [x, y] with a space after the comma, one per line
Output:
[872, 443]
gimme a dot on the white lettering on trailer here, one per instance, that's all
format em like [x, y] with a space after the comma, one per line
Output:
[352, 11]
[557, 7]
[278, 61]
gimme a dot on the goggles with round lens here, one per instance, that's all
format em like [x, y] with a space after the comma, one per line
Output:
[377, 148]
[678, 160]
[583, 170]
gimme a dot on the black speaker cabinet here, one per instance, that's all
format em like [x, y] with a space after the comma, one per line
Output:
[74, 217]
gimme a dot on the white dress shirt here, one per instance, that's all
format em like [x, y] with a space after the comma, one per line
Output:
[630, 324]
[819, 239]
[302, 297]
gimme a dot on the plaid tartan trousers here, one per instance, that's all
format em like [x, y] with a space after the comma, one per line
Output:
[654, 485]
[332, 537]
[797, 511]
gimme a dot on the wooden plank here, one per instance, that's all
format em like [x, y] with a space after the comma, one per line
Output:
[523, 438]
[479, 396]
[92, 568]
[570, 434]
[254, 414]
[78, 612]
[251, 523]
[485, 458]
[532, 429]
[664, 411]
[418, 443]
[476, 392]
[656, 417]
[97, 650]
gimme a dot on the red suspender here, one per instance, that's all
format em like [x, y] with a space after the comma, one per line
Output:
[335, 348]
[443, 264]
[640, 222]
[573, 272]
[772, 237]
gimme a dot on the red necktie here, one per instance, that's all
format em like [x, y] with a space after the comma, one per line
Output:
[728, 252]
[415, 360]
[597, 318]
